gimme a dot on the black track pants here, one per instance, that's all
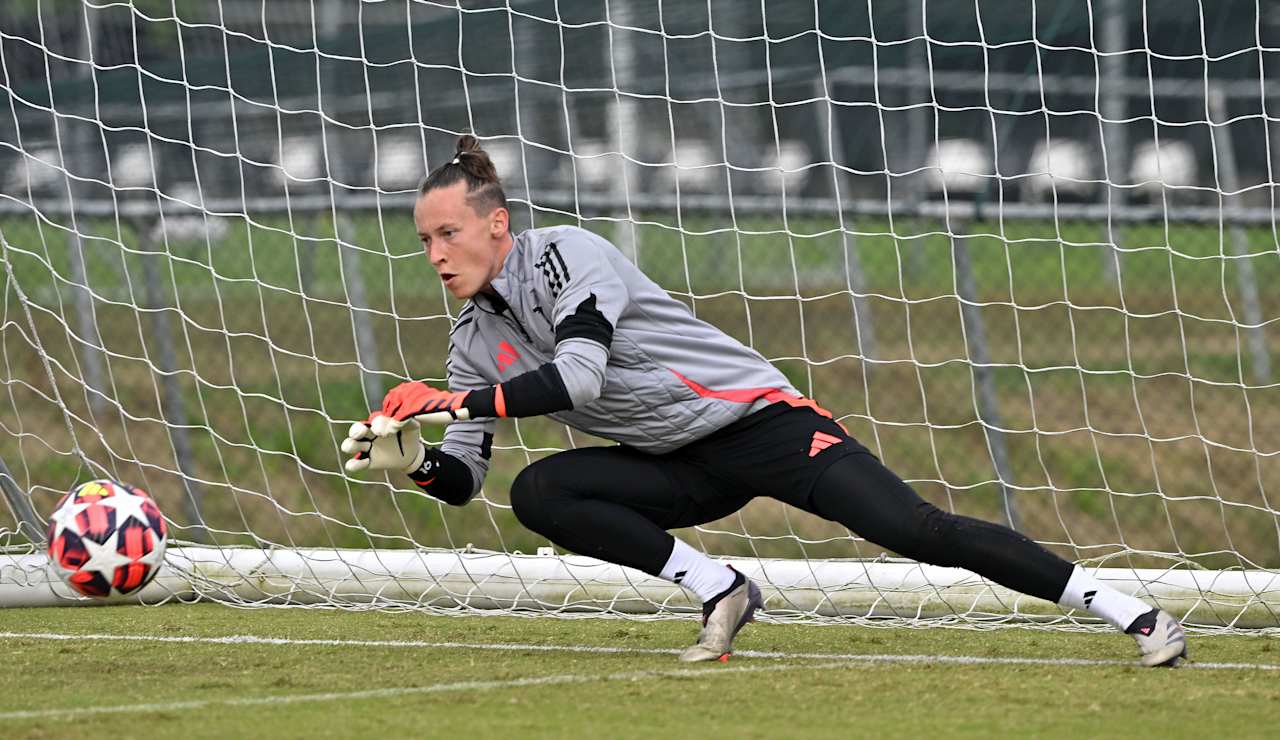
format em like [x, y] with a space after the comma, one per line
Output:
[616, 503]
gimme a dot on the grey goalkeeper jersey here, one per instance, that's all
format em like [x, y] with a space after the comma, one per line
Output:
[637, 366]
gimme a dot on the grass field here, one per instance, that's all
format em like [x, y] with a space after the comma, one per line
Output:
[170, 671]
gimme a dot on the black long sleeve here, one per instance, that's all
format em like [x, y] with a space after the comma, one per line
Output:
[444, 477]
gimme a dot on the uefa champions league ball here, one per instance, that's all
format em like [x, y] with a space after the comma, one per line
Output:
[106, 538]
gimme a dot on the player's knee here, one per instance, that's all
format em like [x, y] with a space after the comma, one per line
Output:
[531, 494]
[526, 497]
[931, 539]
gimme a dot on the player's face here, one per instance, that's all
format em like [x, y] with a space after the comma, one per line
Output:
[465, 248]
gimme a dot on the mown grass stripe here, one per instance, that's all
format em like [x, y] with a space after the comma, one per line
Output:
[518, 647]
[398, 691]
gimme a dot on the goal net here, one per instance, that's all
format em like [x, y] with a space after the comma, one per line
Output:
[1026, 252]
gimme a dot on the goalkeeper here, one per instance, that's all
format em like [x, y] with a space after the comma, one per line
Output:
[558, 323]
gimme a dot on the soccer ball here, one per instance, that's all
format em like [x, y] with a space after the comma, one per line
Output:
[106, 538]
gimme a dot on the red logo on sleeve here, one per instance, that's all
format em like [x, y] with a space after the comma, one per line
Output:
[507, 355]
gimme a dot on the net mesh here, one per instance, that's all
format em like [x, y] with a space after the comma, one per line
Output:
[1021, 252]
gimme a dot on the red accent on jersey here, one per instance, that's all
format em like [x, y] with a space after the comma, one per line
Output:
[821, 441]
[507, 355]
[750, 395]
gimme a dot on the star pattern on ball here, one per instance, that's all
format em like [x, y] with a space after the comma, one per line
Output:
[131, 507]
[104, 558]
[66, 515]
[131, 548]
[127, 506]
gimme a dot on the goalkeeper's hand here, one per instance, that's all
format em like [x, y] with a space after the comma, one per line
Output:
[401, 450]
[417, 401]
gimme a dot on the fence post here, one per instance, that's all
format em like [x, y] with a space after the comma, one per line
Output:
[20, 504]
[366, 341]
[1225, 155]
[87, 327]
[174, 410]
[856, 280]
[624, 128]
[987, 403]
[1115, 137]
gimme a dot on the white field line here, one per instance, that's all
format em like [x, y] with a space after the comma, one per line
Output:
[516, 647]
[398, 691]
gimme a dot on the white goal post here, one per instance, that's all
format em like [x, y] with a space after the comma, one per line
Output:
[1023, 251]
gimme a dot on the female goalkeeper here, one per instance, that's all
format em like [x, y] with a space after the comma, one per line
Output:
[559, 323]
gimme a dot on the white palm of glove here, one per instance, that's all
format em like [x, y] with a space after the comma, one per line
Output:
[401, 450]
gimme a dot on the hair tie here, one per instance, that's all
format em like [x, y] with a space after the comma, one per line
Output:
[457, 158]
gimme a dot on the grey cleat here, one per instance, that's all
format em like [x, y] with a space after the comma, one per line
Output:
[1160, 638]
[721, 622]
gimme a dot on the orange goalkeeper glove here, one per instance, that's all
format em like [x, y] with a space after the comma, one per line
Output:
[419, 401]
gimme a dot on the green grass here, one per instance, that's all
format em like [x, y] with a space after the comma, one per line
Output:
[261, 690]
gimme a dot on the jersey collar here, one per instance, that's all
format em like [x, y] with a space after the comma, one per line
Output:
[508, 277]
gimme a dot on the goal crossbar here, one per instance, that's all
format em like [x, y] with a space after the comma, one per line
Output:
[817, 590]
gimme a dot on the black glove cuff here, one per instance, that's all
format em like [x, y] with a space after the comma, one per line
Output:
[482, 403]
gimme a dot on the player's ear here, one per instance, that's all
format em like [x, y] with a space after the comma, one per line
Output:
[499, 222]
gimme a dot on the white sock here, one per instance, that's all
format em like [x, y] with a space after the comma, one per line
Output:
[1088, 594]
[696, 572]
